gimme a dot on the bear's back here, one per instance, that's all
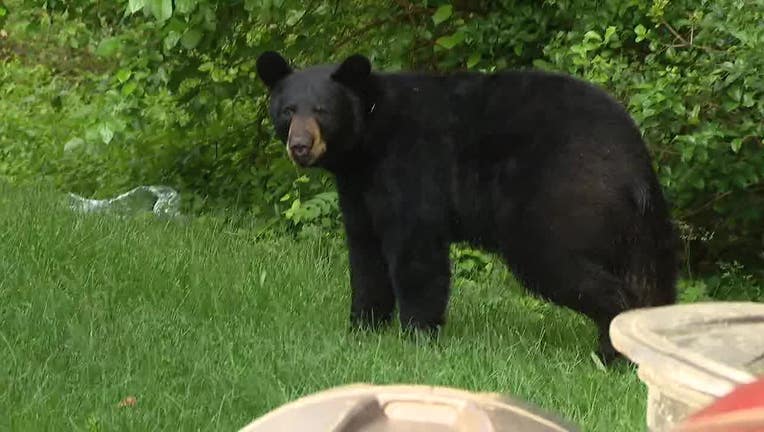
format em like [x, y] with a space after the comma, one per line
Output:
[469, 106]
[466, 118]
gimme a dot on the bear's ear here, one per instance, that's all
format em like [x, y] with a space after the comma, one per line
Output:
[353, 71]
[272, 68]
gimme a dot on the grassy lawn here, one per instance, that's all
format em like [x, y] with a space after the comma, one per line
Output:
[209, 328]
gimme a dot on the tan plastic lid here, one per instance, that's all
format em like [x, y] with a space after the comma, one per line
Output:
[405, 408]
[708, 348]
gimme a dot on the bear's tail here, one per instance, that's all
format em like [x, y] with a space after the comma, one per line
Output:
[651, 270]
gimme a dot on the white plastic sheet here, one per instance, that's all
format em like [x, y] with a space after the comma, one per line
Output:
[161, 200]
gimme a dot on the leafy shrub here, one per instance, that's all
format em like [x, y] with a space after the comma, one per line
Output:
[731, 283]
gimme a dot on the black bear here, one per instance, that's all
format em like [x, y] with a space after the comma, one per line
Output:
[543, 169]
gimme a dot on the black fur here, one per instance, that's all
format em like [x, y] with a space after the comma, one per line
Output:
[546, 170]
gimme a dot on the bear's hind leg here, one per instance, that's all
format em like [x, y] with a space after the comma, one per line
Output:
[600, 295]
[583, 285]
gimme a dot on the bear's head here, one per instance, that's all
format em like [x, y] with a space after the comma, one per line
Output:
[318, 112]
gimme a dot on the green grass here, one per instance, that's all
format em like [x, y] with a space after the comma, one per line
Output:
[209, 328]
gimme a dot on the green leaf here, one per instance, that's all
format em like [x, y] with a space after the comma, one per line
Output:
[641, 32]
[451, 41]
[171, 40]
[106, 133]
[108, 47]
[73, 144]
[294, 16]
[124, 75]
[219, 75]
[442, 13]
[591, 34]
[161, 9]
[134, 6]
[748, 100]
[543, 64]
[129, 88]
[609, 33]
[293, 211]
[735, 93]
[694, 115]
[473, 60]
[191, 38]
[736, 144]
[185, 7]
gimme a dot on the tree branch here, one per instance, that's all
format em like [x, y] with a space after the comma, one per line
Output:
[369, 26]
[683, 42]
[720, 196]
[674, 32]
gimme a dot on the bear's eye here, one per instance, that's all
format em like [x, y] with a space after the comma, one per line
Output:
[288, 110]
[319, 109]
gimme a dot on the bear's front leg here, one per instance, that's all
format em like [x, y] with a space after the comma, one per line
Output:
[372, 298]
[421, 274]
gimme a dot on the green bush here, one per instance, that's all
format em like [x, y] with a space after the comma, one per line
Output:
[164, 91]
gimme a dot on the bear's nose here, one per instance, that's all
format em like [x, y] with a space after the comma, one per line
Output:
[300, 146]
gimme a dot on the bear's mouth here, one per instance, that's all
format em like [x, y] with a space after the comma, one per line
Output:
[305, 145]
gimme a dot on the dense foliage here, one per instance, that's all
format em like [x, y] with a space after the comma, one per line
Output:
[100, 96]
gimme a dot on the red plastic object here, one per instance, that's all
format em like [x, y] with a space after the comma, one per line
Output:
[742, 410]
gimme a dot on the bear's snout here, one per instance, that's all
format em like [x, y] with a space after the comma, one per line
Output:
[300, 145]
[304, 142]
